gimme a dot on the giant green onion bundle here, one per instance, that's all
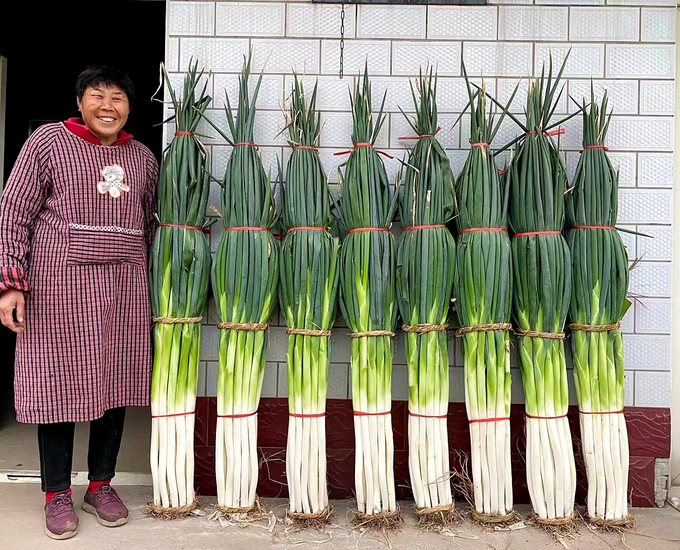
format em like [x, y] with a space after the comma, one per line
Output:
[309, 283]
[367, 274]
[245, 279]
[425, 268]
[178, 273]
[542, 281]
[598, 303]
[483, 288]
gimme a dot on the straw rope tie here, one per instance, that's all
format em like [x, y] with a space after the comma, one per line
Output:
[321, 514]
[310, 147]
[435, 510]
[424, 327]
[308, 332]
[484, 328]
[484, 518]
[250, 327]
[593, 328]
[607, 227]
[176, 320]
[555, 521]
[414, 227]
[373, 333]
[489, 229]
[538, 334]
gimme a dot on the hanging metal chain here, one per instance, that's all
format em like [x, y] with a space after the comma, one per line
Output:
[342, 41]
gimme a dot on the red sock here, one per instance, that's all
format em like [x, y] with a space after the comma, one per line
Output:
[94, 485]
[49, 495]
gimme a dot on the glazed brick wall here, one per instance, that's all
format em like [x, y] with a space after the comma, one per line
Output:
[627, 46]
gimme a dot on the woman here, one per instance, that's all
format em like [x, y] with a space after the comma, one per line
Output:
[76, 222]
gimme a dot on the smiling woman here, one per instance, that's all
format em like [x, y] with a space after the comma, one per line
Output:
[76, 221]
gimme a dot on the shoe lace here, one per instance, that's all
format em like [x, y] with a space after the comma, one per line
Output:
[107, 494]
[61, 504]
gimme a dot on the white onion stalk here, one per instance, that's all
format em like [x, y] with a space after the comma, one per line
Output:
[179, 268]
[425, 268]
[309, 284]
[245, 280]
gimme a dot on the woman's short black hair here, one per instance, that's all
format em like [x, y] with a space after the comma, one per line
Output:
[105, 76]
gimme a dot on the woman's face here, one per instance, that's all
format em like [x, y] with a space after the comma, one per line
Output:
[105, 110]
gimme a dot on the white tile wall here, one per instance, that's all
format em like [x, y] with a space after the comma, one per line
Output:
[653, 315]
[585, 60]
[409, 57]
[356, 54]
[655, 169]
[522, 23]
[626, 46]
[498, 58]
[250, 19]
[383, 21]
[462, 23]
[269, 96]
[623, 94]
[319, 20]
[658, 25]
[640, 61]
[604, 24]
[284, 56]
[657, 97]
[191, 19]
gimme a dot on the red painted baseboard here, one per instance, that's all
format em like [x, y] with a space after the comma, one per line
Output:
[648, 432]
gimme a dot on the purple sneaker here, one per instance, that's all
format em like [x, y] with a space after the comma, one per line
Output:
[61, 521]
[105, 503]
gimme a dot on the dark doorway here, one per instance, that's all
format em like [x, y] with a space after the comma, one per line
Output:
[47, 45]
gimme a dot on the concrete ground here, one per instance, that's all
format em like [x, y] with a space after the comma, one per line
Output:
[21, 528]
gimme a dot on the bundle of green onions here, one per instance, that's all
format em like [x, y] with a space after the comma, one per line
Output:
[367, 275]
[245, 279]
[309, 284]
[542, 281]
[425, 268]
[598, 303]
[483, 288]
[178, 275]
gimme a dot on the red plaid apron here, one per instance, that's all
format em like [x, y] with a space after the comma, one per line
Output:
[87, 344]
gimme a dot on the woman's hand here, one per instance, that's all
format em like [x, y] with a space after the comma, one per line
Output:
[10, 300]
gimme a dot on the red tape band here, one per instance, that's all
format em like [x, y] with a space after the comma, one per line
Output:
[280, 236]
[305, 228]
[362, 413]
[427, 415]
[475, 420]
[245, 228]
[530, 233]
[414, 227]
[491, 229]
[363, 144]
[360, 229]
[181, 226]
[240, 143]
[480, 144]
[237, 415]
[501, 171]
[602, 412]
[310, 147]
[609, 227]
[594, 147]
[169, 415]
[422, 135]
[182, 133]
[551, 133]
[545, 417]
[318, 415]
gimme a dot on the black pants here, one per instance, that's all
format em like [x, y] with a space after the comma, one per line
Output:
[55, 442]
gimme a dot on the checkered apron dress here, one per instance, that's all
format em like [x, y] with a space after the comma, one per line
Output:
[83, 253]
